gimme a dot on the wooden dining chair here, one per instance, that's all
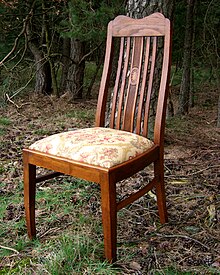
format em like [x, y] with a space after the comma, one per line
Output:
[107, 155]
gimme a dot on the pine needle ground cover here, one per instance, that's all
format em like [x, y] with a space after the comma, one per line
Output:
[68, 209]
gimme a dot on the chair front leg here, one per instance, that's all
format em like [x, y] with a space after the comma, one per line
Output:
[29, 197]
[109, 218]
[160, 190]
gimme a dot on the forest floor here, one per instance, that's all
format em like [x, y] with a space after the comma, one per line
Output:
[188, 244]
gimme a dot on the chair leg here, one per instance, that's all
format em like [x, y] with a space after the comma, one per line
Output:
[109, 218]
[160, 191]
[29, 197]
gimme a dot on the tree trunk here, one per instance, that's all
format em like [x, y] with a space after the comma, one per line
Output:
[89, 90]
[43, 80]
[74, 83]
[211, 47]
[139, 9]
[65, 64]
[45, 32]
[187, 61]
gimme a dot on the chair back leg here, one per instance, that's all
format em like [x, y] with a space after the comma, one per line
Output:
[160, 190]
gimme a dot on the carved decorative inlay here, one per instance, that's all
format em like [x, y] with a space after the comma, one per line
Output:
[134, 75]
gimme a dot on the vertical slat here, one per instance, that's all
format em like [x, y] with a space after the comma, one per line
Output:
[133, 86]
[138, 61]
[123, 83]
[150, 85]
[116, 87]
[143, 87]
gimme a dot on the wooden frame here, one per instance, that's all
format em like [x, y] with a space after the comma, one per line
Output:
[126, 116]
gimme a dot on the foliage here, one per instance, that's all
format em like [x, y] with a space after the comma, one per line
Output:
[8, 20]
[178, 33]
[211, 38]
[36, 30]
[89, 19]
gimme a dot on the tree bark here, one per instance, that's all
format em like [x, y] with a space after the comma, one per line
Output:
[65, 64]
[45, 32]
[74, 83]
[187, 60]
[142, 8]
[43, 81]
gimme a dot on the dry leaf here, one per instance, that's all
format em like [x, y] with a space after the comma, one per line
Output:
[212, 212]
[135, 266]
[216, 262]
[152, 195]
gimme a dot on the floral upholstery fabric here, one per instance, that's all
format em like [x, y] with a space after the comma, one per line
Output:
[104, 147]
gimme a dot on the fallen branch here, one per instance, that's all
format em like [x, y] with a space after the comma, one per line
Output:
[22, 88]
[9, 248]
[202, 170]
[53, 230]
[8, 98]
[189, 238]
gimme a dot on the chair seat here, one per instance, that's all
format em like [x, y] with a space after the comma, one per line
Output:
[104, 147]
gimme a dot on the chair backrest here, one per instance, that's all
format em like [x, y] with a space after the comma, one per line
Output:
[143, 53]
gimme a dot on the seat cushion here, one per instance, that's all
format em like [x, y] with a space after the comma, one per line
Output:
[104, 147]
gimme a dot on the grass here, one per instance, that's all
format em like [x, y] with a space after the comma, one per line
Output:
[72, 247]
[4, 123]
[2, 168]
[69, 253]
[41, 132]
[19, 267]
[178, 123]
[85, 115]
[75, 254]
